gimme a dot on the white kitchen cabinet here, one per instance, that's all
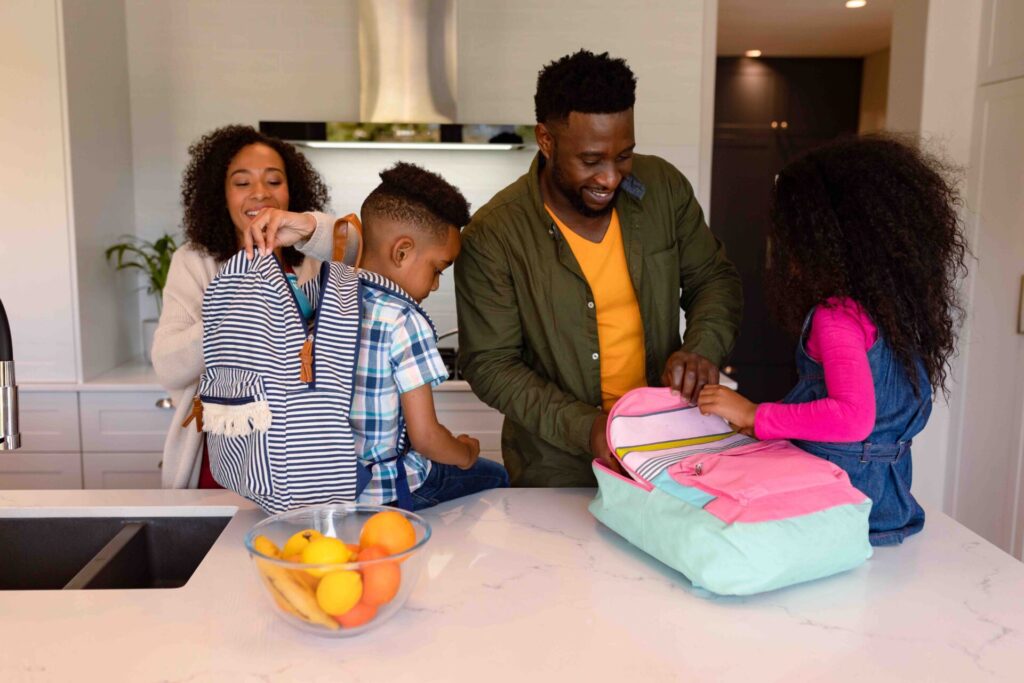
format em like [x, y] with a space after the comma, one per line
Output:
[990, 475]
[27, 470]
[49, 421]
[121, 470]
[463, 413]
[1002, 53]
[128, 422]
[65, 130]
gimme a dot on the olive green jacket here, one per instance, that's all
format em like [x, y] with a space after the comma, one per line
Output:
[527, 324]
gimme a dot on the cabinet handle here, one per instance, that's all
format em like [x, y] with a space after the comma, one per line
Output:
[784, 124]
[775, 124]
[164, 403]
[1020, 308]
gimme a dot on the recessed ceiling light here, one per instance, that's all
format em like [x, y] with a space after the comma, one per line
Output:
[854, 4]
[752, 53]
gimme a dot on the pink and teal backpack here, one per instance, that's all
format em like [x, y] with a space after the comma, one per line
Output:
[735, 515]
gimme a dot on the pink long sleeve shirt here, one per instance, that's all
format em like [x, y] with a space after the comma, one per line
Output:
[841, 334]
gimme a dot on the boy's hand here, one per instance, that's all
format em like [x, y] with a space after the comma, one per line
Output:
[472, 449]
[717, 400]
[273, 228]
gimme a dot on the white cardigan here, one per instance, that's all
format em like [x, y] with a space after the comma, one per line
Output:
[178, 341]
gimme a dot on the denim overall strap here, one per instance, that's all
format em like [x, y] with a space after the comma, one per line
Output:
[403, 494]
[867, 451]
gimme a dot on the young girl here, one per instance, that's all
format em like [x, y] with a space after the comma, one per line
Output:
[865, 248]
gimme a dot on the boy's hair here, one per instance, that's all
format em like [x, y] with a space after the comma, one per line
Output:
[416, 196]
[874, 219]
[586, 83]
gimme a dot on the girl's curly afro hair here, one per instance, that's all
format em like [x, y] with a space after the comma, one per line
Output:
[874, 219]
[207, 222]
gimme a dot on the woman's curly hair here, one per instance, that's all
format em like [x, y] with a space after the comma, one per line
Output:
[874, 219]
[207, 222]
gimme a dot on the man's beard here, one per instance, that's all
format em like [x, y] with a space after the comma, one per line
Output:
[575, 196]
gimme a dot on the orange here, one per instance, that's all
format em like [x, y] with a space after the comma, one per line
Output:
[390, 530]
[381, 580]
[357, 616]
[339, 592]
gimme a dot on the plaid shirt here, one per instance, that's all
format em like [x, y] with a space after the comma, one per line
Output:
[397, 353]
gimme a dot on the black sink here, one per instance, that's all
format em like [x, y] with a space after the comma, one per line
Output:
[52, 553]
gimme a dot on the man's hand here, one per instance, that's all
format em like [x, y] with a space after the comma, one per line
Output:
[687, 373]
[472, 449]
[725, 403]
[273, 228]
[599, 445]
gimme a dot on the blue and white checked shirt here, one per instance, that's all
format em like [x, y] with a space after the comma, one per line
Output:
[397, 353]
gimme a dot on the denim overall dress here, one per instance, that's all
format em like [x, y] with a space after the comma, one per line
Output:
[880, 465]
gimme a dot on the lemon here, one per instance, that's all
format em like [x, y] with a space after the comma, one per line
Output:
[325, 550]
[298, 541]
[264, 545]
[339, 591]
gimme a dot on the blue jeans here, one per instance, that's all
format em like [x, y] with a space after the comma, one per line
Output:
[448, 482]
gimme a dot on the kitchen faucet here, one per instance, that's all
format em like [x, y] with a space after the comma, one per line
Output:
[10, 438]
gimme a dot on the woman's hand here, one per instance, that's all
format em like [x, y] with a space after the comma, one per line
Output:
[717, 400]
[273, 228]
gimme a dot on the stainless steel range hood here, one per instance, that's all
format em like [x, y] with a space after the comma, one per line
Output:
[408, 86]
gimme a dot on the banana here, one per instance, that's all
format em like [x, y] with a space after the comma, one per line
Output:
[299, 598]
[264, 545]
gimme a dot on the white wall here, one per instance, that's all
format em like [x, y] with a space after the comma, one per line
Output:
[35, 253]
[196, 65]
[103, 204]
[932, 82]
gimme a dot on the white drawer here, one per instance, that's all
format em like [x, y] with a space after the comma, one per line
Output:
[123, 422]
[121, 470]
[48, 421]
[463, 413]
[23, 470]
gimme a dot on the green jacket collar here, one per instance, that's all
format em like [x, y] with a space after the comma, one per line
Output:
[633, 190]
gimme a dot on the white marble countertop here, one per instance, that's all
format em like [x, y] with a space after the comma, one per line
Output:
[524, 585]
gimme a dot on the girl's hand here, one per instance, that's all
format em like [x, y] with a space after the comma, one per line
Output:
[273, 228]
[717, 400]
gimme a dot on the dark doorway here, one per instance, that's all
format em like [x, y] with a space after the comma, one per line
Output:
[767, 111]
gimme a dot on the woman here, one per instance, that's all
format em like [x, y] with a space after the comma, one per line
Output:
[241, 188]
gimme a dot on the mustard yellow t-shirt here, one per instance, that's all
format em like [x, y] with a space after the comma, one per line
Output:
[620, 332]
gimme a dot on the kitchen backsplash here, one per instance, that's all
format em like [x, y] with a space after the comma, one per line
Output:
[352, 174]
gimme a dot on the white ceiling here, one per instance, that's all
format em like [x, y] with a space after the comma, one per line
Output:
[803, 28]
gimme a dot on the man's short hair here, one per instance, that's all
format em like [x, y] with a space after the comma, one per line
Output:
[586, 83]
[417, 196]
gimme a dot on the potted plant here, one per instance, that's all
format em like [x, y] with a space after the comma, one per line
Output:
[154, 260]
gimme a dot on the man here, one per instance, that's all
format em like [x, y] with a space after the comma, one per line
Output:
[568, 286]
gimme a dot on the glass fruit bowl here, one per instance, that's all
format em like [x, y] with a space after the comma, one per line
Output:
[338, 570]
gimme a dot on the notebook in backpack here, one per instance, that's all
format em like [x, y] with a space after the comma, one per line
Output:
[275, 393]
[735, 515]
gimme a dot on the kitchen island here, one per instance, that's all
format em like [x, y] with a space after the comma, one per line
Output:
[525, 585]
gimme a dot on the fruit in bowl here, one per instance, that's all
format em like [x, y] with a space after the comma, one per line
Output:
[341, 569]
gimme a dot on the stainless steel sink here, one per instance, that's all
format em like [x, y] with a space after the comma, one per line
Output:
[52, 553]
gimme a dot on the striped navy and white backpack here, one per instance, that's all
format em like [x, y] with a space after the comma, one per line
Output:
[275, 397]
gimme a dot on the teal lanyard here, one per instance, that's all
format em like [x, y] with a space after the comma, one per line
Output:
[305, 308]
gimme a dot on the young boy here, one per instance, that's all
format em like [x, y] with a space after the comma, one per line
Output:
[411, 225]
